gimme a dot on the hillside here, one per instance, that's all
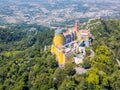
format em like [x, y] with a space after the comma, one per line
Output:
[25, 65]
[107, 33]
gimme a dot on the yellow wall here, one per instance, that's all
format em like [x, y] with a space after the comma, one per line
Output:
[78, 35]
[61, 58]
[58, 40]
[59, 54]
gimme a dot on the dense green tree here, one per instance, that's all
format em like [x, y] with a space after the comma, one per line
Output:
[69, 69]
[59, 76]
[114, 80]
[67, 84]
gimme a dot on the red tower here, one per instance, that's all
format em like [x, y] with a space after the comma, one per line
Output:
[77, 25]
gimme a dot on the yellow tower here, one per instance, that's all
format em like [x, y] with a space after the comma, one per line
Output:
[58, 39]
[56, 48]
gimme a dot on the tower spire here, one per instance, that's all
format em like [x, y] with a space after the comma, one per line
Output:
[77, 25]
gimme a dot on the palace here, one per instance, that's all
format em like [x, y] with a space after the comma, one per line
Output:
[69, 45]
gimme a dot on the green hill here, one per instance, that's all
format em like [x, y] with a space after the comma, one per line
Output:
[25, 65]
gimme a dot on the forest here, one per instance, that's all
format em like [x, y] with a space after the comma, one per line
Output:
[26, 65]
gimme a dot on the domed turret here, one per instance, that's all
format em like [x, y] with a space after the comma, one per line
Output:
[58, 32]
[59, 38]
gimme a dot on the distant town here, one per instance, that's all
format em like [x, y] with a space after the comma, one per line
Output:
[51, 13]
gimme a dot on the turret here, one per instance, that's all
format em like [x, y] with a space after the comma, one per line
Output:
[59, 38]
[77, 25]
[77, 30]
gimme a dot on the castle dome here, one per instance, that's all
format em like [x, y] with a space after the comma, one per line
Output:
[58, 31]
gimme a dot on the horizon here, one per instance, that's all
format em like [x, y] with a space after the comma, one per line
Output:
[57, 12]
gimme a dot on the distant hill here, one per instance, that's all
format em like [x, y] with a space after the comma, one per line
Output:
[53, 13]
